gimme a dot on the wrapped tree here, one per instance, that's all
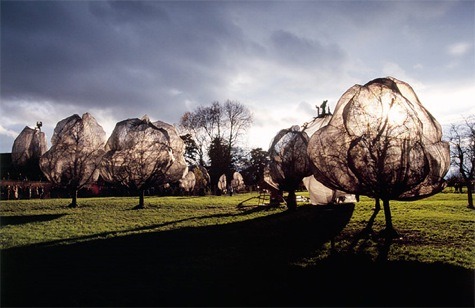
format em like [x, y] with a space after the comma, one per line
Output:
[27, 149]
[187, 183]
[140, 154]
[237, 183]
[289, 162]
[74, 157]
[179, 167]
[222, 184]
[381, 142]
[202, 179]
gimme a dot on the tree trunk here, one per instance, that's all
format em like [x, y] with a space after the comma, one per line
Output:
[141, 204]
[74, 201]
[389, 231]
[292, 201]
[369, 227]
[141, 198]
[469, 194]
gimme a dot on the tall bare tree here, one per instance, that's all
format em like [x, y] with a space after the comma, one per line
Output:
[74, 157]
[462, 140]
[237, 119]
[224, 122]
[381, 142]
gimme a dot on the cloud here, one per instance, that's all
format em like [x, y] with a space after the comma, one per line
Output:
[295, 50]
[8, 132]
[124, 59]
[459, 49]
[448, 101]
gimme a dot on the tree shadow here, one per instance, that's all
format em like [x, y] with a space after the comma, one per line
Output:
[211, 265]
[247, 263]
[245, 211]
[19, 220]
[367, 234]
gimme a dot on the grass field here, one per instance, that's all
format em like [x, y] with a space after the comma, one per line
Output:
[230, 251]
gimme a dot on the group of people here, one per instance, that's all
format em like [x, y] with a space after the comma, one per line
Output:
[16, 192]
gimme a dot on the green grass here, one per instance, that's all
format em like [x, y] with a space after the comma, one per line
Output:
[436, 229]
[229, 251]
[109, 217]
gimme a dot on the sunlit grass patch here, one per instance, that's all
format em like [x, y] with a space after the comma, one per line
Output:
[435, 229]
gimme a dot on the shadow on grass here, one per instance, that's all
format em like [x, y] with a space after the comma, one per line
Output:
[247, 263]
[19, 220]
[244, 211]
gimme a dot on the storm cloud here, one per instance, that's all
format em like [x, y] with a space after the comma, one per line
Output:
[124, 59]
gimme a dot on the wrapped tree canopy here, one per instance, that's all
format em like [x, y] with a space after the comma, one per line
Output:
[27, 150]
[188, 182]
[29, 145]
[202, 179]
[237, 183]
[222, 183]
[140, 154]
[319, 193]
[381, 142]
[75, 154]
[289, 162]
[179, 167]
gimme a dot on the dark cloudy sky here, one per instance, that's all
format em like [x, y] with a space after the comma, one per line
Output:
[123, 59]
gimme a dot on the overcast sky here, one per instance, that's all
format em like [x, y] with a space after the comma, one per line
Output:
[124, 59]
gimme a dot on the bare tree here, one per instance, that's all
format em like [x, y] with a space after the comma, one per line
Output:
[237, 119]
[75, 154]
[462, 140]
[381, 142]
[225, 123]
[140, 154]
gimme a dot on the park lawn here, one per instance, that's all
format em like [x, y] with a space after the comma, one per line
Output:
[436, 229]
[47, 221]
[230, 251]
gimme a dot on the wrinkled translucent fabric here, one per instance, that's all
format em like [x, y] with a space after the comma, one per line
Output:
[237, 182]
[201, 176]
[311, 127]
[188, 181]
[222, 182]
[29, 145]
[139, 154]
[179, 167]
[319, 193]
[77, 148]
[268, 178]
[289, 162]
[381, 142]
